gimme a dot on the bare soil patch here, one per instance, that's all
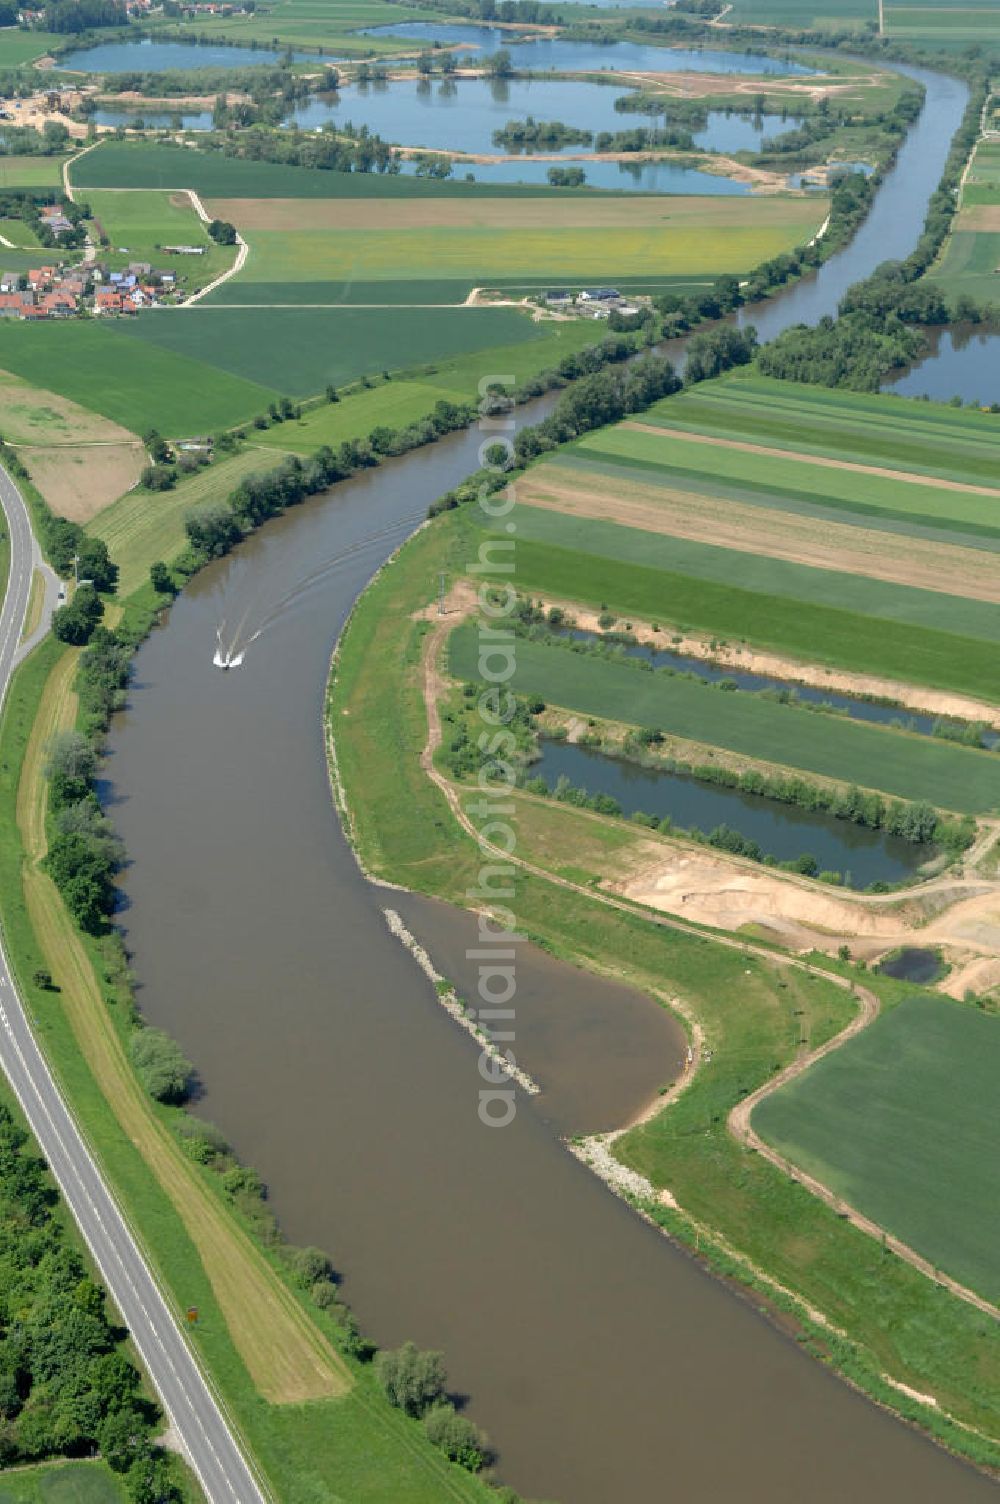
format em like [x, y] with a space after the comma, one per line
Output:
[32, 415]
[778, 534]
[979, 217]
[79, 482]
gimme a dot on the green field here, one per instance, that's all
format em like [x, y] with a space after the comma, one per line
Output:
[778, 478]
[971, 263]
[131, 381]
[17, 47]
[297, 351]
[894, 432]
[827, 14]
[906, 766]
[312, 25]
[138, 224]
[939, 24]
[30, 172]
[62, 1483]
[122, 164]
[900, 1122]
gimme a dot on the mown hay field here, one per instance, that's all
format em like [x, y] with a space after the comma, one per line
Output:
[894, 433]
[897, 763]
[901, 1122]
[32, 171]
[144, 525]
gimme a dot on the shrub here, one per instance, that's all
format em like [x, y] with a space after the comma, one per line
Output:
[457, 1437]
[412, 1379]
[161, 1066]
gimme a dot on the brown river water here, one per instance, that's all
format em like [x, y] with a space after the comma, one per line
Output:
[605, 1364]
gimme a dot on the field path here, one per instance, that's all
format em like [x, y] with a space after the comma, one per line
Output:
[739, 1118]
[910, 477]
[243, 251]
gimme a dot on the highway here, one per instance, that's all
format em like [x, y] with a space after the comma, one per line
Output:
[208, 1441]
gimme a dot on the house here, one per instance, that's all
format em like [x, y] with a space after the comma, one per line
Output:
[558, 295]
[57, 304]
[599, 294]
[139, 268]
[43, 276]
[185, 250]
[55, 219]
[13, 304]
[107, 300]
[9, 281]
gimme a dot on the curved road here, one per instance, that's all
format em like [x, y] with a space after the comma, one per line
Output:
[209, 1444]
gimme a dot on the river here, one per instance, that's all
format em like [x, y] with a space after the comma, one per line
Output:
[604, 1364]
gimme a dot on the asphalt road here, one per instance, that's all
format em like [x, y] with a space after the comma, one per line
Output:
[196, 1418]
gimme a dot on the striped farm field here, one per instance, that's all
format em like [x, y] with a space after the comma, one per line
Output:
[899, 1121]
[792, 480]
[896, 763]
[894, 433]
[800, 630]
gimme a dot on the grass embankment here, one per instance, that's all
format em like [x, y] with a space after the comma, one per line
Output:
[902, 764]
[895, 1121]
[755, 1015]
[36, 600]
[285, 1354]
[252, 1325]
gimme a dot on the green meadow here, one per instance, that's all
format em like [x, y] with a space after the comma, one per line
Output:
[139, 224]
[63, 1483]
[897, 763]
[312, 25]
[29, 172]
[971, 264]
[17, 47]
[900, 1121]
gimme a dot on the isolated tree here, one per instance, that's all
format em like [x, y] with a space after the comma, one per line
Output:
[162, 1067]
[160, 578]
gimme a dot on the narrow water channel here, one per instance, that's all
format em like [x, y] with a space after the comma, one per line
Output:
[603, 1363]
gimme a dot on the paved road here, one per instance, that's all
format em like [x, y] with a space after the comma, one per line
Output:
[211, 1446]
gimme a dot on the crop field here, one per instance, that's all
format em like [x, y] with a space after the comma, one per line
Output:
[34, 416]
[828, 14]
[893, 433]
[897, 763]
[474, 240]
[139, 224]
[132, 382]
[297, 351]
[693, 518]
[124, 164]
[982, 186]
[940, 25]
[141, 526]
[900, 1122]
[29, 172]
[792, 480]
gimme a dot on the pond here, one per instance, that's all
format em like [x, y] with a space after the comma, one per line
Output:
[149, 56]
[783, 831]
[572, 56]
[190, 120]
[627, 176]
[462, 114]
[913, 964]
[855, 706]
[962, 363]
